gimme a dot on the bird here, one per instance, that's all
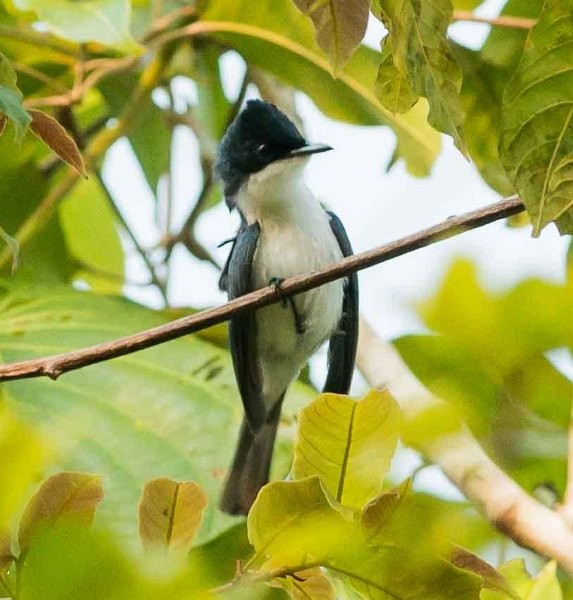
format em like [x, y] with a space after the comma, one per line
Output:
[284, 231]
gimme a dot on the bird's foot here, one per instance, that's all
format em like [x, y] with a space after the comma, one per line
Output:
[276, 282]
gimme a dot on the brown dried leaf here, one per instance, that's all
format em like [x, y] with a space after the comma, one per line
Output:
[57, 139]
[340, 26]
[3, 121]
[5, 548]
[492, 579]
[64, 495]
[170, 513]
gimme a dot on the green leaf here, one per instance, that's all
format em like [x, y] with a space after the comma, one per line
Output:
[62, 497]
[294, 523]
[340, 26]
[148, 415]
[422, 54]
[170, 514]
[545, 586]
[103, 21]
[310, 584]
[92, 238]
[392, 87]
[14, 247]
[537, 121]
[353, 454]
[273, 35]
[481, 93]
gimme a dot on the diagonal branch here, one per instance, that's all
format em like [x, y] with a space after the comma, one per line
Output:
[54, 366]
[502, 501]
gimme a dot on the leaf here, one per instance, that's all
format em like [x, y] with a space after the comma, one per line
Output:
[493, 579]
[422, 54]
[348, 444]
[545, 586]
[482, 91]
[57, 139]
[62, 497]
[293, 522]
[148, 415]
[537, 121]
[274, 35]
[340, 26]
[170, 514]
[11, 100]
[91, 234]
[103, 21]
[378, 513]
[392, 87]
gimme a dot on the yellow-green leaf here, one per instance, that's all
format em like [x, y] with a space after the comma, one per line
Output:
[340, 26]
[537, 121]
[422, 53]
[11, 100]
[63, 496]
[310, 584]
[170, 514]
[294, 523]
[545, 586]
[57, 139]
[377, 513]
[392, 87]
[348, 444]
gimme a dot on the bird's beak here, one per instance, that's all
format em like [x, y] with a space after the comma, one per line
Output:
[308, 149]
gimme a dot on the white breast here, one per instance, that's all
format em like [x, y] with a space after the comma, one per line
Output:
[296, 238]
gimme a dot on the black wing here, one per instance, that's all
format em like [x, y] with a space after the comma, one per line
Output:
[343, 342]
[236, 280]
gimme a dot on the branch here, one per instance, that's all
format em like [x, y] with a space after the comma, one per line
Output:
[501, 21]
[54, 366]
[504, 503]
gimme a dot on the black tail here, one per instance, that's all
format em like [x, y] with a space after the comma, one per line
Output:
[251, 465]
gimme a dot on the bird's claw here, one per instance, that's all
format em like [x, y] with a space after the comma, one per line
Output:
[276, 283]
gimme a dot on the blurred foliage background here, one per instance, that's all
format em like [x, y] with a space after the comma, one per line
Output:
[83, 75]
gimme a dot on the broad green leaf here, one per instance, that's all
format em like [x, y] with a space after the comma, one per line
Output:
[422, 54]
[62, 497]
[103, 21]
[352, 455]
[170, 514]
[378, 513]
[54, 135]
[294, 523]
[392, 87]
[92, 238]
[274, 35]
[481, 93]
[147, 415]
[340, 26]
[23, 454]
[537, 128]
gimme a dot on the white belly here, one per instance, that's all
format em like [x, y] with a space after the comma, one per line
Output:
[284, 251]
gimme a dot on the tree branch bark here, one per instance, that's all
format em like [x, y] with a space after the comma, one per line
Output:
[56, 365]
[504, 503]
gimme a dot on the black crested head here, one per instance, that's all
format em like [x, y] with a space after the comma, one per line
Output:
[259, 135]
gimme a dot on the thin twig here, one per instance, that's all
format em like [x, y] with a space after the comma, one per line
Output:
[54, 366]
[501, 21]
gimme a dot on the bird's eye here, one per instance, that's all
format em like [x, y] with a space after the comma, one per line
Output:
[262, 149]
